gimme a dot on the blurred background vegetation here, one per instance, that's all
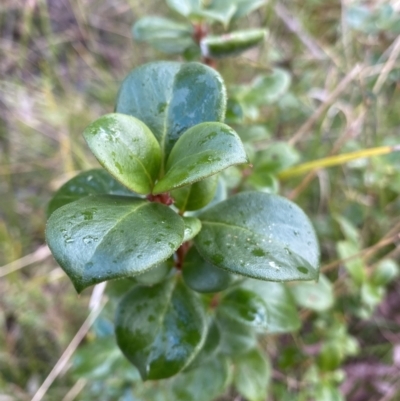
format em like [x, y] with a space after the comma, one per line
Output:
[61, 64]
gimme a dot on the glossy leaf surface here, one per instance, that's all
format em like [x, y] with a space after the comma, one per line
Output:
[260, 235]
[245, 306]
[201, 276]
[315, 296]
[103, 237]
[202, 151]
[164, 34]
[281, 308]
[252, 375]
[192, 227]
[196, 196]
[210, 347]
[171, 97]
[160, 329]
[127, 149]
[91, 182]
[232, 43]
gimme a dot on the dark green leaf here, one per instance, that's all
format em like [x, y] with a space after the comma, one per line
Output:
[236, 338]
[202, 151]
[91, 182]
[252, 375]
[160, 329]
[232, 43]
[245, 306]
[172, 97]
[210, 347]
[164, 34]
[192, 227]
[196, 196]
[102, 237]
[259, 235]
[315, 296]
[127, 149]
[267, 183]
[201, 276]
[281, 308]
[234, 112]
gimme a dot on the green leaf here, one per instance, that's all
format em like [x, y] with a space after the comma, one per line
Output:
[91, 182]
[236, 338]
[267, 183]
[245, 306]
[385, 272]
[204, 383]
[160, 329]
[201, 276]
[277, 157]
[259, 235]
[355, 265]
[164, 34]
[245, 7]
[184, 7]
[202, 151]
[210, 347]
[315, 296]
[281, 308]
[252, 375]
[267, 89]
[127, 149]
[221, 11]
[156, 274]
[231, 44]
[196, 196]
[102, 237]
[192, 227]
[171, 97]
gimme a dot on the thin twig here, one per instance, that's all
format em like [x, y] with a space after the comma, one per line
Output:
[39, 255]
[387, 68]
[75, 390]
[65, 357]
[305, 129]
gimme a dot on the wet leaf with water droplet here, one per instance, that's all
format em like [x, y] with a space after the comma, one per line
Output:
[91, 182]
[244, 306]
[259, 235]
[282, 315]
[200, 152]
[127, 149]
[160, 329]
[190, 93]
[118, 240]
[202, 276]
[192, 227]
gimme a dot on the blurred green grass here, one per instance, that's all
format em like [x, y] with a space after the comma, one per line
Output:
[61, 63]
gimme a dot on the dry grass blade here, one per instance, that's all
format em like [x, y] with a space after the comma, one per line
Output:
[40, 254]
[69, 351]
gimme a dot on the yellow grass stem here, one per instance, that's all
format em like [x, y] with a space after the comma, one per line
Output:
[335, 161]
